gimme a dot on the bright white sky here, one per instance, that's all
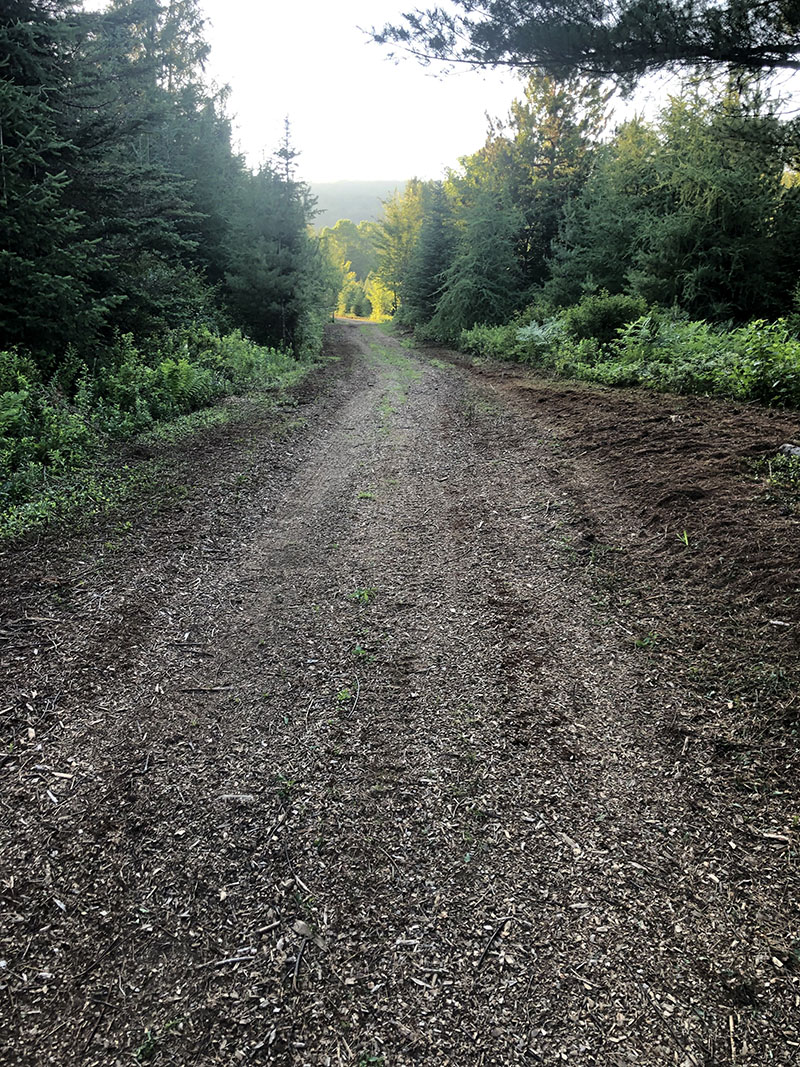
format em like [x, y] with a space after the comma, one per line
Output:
[354, 114]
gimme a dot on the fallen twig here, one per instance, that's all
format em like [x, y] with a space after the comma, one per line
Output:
[226, 961]
[207, 689]
[492, 940]
[358, 694]
[298, 961]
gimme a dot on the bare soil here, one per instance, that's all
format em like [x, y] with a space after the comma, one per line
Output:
[447, 718]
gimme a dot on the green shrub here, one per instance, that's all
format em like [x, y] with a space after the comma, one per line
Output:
[766, 364]
[427, 333]
[601, 315]
[16, 372]
[759, 361]
[494, 342]
[576, 359]
[659, 350]
[39, 439]
[534, 343]
[538, 343]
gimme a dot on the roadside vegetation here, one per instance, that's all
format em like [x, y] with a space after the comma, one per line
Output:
[659, 350]
[56, 436]
[657, 253]
[145, 270]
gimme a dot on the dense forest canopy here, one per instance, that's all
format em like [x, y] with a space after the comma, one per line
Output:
[623, 39]
[562, 228]
[697, 209]
[125, 208]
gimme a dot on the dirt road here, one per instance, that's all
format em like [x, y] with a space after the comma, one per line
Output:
[446, 720]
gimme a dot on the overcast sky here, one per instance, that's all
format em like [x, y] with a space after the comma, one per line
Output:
[354, 113]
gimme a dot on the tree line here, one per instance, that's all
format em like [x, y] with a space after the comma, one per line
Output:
[145, 269]
[640, 254]
[124, 208]
[698, 209]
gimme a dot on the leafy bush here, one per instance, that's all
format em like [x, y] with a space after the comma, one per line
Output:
[496, 342]
[759, 361]
[601, 315]
[538, 343]
[660, 350]
[534, 343]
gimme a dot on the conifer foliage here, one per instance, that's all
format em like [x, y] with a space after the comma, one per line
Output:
[624, 39]
[697, 211]
[145, 271]
[125, 208]
[45, 251]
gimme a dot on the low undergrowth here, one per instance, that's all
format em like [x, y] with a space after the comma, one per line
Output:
[58, 438]
[781, 474]
[614, 340]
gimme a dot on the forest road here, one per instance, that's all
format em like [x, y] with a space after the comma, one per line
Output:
[360, 747]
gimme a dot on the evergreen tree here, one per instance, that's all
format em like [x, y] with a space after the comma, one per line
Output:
[600, 227]
[396, 238]
[623, 40]
[124, 206]
[273, 263]
[134, 118]
[46, 296]
[709, 241]
[431, 257]
[483, 283]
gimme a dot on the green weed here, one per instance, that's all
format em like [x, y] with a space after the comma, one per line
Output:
[153, 1040]
[364, 595]
[56, 443]
[285, 787]
[603, 340]
[647, 641]
[782, 477]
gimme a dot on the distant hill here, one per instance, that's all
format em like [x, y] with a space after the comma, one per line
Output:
[357, 201]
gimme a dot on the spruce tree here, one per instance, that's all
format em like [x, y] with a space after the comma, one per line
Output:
[432, 256]
[484, 283]
[708, 240]
[601, 227]
[46, 296]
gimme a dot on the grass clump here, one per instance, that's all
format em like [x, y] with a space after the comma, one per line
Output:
[781, 474]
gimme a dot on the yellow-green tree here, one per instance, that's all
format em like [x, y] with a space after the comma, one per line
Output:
[397, 235]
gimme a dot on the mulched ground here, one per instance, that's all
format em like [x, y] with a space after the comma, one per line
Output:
[446, 718]
[666, 496]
